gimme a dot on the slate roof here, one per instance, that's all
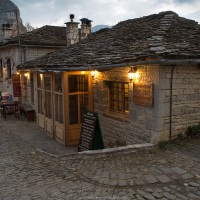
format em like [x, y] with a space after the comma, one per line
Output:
[157, 36]
[46, 35]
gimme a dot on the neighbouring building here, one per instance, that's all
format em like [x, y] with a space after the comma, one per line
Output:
[15, 51]
[142, 77]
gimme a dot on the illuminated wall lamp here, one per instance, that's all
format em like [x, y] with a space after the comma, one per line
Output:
[26, 74]
[92, 73]
[132, 73]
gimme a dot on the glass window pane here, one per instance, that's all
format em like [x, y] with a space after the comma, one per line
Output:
[58, 82]
[47, 83]
[119, 97]
[58, 108]
[48, 105]
[78, 83]
[39, 80]
[83, 105]
[40, 103]
[73, 109]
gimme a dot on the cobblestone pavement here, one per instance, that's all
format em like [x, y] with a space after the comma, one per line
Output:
[26, 173]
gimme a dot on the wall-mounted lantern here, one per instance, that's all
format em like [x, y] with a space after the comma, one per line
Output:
[92, 73]
[41, 77]
[132, 73]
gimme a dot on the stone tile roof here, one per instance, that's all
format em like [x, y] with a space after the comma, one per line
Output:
[158, 36]
[46, 35]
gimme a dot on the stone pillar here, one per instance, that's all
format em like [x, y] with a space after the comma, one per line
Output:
[72, 31]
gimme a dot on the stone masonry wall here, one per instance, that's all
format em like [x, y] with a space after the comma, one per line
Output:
[185, 97]
[12, 53]
[150, 124]
[141, 122]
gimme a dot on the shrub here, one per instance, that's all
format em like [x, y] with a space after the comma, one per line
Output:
[193, 130]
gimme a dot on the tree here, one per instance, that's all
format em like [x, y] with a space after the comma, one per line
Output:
[29, 27]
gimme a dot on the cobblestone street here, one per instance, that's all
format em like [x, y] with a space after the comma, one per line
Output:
[26, 173]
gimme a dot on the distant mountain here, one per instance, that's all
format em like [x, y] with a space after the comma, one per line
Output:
[98, 27]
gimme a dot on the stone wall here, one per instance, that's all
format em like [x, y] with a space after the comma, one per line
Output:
[141, 121]
[13, 53]
[149, 124]
[185, 97]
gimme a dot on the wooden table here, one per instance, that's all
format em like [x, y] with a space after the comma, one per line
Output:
[5, 105]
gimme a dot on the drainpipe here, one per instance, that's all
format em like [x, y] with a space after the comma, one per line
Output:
[170, 111]
[19, 35]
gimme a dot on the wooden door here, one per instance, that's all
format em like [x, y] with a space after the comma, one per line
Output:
[45, 108]
[59, 116]
[48, 105]
[79, 101]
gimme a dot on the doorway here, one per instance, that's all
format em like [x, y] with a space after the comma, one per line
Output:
[79, 100]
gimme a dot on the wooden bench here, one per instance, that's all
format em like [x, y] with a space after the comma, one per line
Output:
[28, 110]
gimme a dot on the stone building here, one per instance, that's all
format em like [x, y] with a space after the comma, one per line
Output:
[142, 77]
[15, 51]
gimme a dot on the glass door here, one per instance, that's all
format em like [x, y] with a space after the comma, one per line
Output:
[48, 105]
[59, 108]
[78, 93]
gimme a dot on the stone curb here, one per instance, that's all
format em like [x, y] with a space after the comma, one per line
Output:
[117, 149]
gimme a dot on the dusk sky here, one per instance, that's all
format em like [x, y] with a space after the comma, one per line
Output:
[108, 12]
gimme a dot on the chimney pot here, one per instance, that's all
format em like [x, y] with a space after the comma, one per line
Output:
[71, 17]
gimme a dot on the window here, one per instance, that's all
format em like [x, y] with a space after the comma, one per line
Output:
[58, 98]
[119, 101]
[47, 96]
[9, 68]
[32, 88]
[1, 68]
[78, 97]
[40, 94]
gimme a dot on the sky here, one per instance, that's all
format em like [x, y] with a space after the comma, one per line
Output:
[107, 12]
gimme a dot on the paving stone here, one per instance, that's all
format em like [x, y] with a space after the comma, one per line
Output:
[121, 176]
[150, 179]
[139, 181]
[163, 178]
[187, 176]
[166, 170]
[194, 184]
[149, 190]
[149, 197]
[180, 196]
[122, 183]
[141, 192]
[138, 197]
[169, 196]
[193, 196]
[157, 195]
[178, 170]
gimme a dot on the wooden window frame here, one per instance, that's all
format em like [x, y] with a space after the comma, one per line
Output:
[119, 97]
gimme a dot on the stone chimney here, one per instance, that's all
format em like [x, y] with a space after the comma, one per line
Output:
[72, 31]
[85, 28]
[7, 30]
